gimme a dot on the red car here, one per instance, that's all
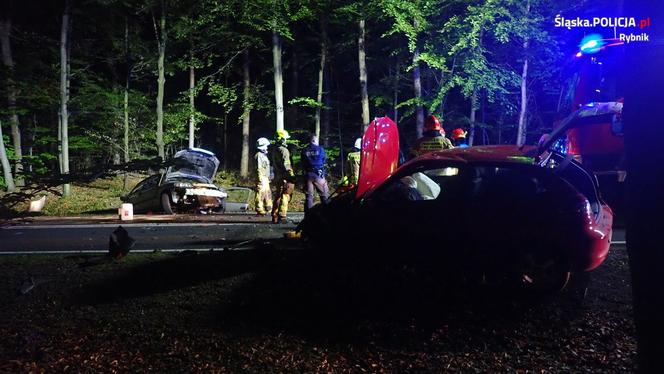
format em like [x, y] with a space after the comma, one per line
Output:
[505, 213]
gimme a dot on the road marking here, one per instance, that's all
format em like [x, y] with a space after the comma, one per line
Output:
[169, 250]
[619, 242]
[100, 225]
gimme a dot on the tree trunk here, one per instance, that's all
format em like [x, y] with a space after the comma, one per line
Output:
[521, 131]
[6, 168]
[363, 78]
[192, 109]
[294, 111]
[244, 159]
[473, 109]
[321, 73]
[8, 61]
[161, 46]
[327, 99]
[64, 95]
[417, 86]
[278, 79]
[395, 98]
[126, 106]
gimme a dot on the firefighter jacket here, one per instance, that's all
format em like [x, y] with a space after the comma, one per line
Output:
[281, 163]
[353, 161]
[262, 167]
[431, 141]
[313, 160]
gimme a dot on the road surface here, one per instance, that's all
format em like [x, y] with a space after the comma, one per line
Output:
[92, 235]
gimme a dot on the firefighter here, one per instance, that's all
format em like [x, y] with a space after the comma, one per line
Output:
[459, 138]
[284, 178]
[433, 139]
[353, 161]
[313, 162]
[263, 194]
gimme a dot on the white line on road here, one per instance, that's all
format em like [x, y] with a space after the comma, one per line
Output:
[99, 225]
[169, 250]
[619, 242]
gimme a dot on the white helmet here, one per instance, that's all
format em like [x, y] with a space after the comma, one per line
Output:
[358, 143]
[262, 144]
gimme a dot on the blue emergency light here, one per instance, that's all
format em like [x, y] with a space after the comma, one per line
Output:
[591, 44]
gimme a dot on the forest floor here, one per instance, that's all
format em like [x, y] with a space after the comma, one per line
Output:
[268, 310]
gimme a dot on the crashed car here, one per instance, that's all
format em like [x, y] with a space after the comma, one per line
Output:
[185, 187]
[527, 216]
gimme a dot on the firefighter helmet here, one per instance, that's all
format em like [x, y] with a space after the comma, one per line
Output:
[432, 124]
[459, 133]
[358, 143]
[262, 144]
[281, 135]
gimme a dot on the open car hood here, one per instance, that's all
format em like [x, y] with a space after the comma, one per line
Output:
[593, 113]
[380, 154]
[194, 163]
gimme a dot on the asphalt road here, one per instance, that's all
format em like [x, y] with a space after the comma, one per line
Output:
[74, 236]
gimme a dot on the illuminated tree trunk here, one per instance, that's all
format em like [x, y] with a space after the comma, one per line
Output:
[192, 108]
[278, 79]
[161, 80]
[521, 132]
[8, 61]
[473, 110]
[64, 95]
[6, 168]
[244, 158]
[417, 86]
[321, 73]
[126, 105]
[363, 78]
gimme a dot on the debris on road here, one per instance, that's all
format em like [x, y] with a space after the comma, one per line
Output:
[120, 243]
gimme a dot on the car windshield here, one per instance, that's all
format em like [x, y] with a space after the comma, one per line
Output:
[193, 165]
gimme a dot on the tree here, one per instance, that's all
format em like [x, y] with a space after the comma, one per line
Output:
[8, 61]
[64, 94]
[6, 168]
[160, 36]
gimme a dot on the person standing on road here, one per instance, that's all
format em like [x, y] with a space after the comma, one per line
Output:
[313, 161]
[433, 139]
[284, 177]
[263, 194]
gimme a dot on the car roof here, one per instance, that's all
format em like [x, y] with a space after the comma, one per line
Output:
[485, 153]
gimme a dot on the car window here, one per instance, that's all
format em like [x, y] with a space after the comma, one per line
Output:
[147, 183]
[422, 184]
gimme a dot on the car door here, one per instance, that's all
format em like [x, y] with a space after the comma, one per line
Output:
[143, 196]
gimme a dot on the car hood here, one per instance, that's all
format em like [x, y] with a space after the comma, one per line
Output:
[380, 154]
[193, 163]
[589, 114]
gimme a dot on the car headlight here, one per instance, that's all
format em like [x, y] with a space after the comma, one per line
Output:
[183, 185]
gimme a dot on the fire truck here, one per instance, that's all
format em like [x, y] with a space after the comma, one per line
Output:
[593, 77]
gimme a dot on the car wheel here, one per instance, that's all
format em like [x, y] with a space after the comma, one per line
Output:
[166, 203]
[541, 274]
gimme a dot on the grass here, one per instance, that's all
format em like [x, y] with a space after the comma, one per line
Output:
[103, 196]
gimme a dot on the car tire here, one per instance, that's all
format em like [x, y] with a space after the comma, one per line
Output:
[541, 275]
[166, 204]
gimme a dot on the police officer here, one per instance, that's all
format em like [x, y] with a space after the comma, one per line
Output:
[353, 162]
[433, 139]
[313, 162]
[284, 178]
[263, 194]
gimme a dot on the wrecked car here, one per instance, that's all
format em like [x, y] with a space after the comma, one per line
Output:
[526, 216]
[185, 187]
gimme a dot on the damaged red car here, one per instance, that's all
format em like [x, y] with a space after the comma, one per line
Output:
[525, 215]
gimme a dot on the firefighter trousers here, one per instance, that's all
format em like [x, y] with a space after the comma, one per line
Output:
[282, 197]
[263, 198]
